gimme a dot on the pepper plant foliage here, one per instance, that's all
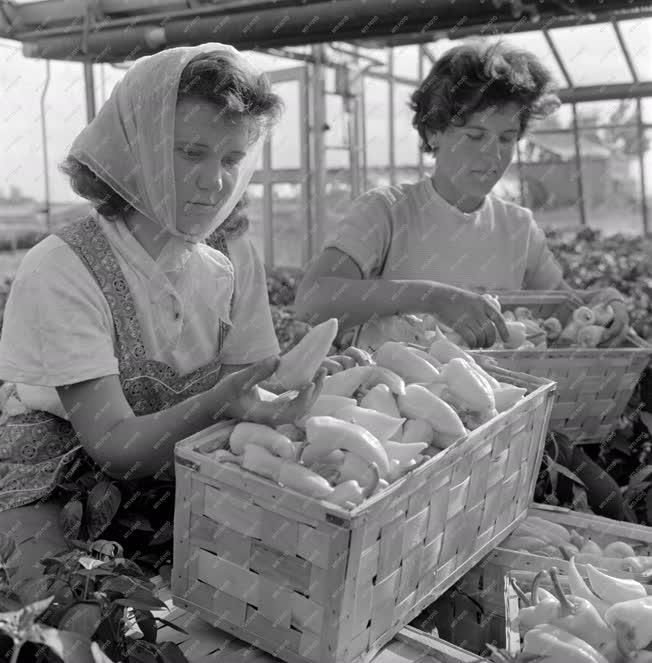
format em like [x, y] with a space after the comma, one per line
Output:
[91, 605]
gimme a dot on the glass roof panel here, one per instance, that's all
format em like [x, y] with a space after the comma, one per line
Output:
[637, 35]
[406, 62]
[646, 110]
[591, 54]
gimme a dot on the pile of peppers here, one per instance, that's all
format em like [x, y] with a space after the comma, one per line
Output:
[561, 628]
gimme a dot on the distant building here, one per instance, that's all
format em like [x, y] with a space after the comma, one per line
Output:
[549, 171]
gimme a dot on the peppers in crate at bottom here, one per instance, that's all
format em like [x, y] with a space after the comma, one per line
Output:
[580, 618]
[538, 611]
[554, 645]
[632, 622]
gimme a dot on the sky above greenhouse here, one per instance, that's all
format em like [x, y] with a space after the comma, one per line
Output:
[591, 54]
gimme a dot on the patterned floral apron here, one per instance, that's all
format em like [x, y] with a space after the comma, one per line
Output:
[36, 447]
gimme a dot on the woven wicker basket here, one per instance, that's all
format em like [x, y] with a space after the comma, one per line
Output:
[593, 385]
[310, 582]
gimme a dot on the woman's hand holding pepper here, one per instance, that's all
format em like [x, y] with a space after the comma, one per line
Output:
[349, 358]
[237, 397]
[615, 333]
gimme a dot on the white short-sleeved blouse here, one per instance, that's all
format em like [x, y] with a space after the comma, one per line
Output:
[58, 328]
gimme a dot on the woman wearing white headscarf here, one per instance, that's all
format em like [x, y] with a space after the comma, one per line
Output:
[124, 332]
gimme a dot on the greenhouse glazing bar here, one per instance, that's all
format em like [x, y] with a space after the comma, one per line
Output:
[641, 164]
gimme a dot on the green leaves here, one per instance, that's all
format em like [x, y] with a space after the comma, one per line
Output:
[101, 506]
[147, 624]
[7, 550]
[68, 646]
[71, 518]
[85, 594]
[82, 618]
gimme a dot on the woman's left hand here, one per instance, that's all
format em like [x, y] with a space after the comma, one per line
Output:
[349, 358]
[615, 333]
[286, 408]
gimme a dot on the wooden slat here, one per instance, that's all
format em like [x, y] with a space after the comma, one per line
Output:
[220, 539]
[414, 531]
[287, 571]
[239, 515]
[223, 606]
[313, 545]
[391, 547]
[280, 639]
[182, 513]
[457, 498]
[336, 576]
[307, 615]
[410, 573]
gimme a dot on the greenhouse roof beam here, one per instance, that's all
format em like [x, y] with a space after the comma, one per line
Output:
[606, 92]
[248, 25]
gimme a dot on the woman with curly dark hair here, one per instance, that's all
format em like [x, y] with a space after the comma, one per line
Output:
[438, 242]
[125, 332]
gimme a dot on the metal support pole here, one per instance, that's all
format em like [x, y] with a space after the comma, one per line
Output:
[306, 150]
[319, 166]
[390, 118]
[578, 163]
[89, 84]
[44, 140]
[268, 206]
[521, 186]
[422, 52]
[641, 162]
[363, 124]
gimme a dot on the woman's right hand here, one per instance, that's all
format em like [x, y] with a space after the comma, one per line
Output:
[236, 396]
[469, 314]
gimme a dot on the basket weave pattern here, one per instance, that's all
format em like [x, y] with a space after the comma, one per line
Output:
[593, 385]
[310, 582]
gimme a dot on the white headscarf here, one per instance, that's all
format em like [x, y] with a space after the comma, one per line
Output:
[129, 144]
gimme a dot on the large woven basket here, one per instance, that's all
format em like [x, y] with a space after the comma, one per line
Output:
[310, 582]
[593, 384]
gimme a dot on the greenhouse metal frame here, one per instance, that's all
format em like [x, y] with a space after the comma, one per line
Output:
[369, 47]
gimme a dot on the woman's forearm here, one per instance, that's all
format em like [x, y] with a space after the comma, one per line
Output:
[354, 302]
[587, 296]
[146, 443]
